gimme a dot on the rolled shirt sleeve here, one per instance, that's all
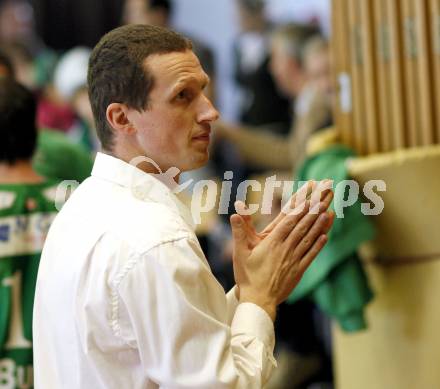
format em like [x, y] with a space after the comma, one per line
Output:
[189, 334]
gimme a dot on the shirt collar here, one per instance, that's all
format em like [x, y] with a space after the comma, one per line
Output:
[143, 186]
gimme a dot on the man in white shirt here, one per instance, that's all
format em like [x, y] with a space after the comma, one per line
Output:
[125, 297]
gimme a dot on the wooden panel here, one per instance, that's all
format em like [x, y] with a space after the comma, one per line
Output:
[357, 71]
[411, 200]
[369, 76]
[434, 12]
[335, 57]
[342, 72]
[401, 348]
[410, 71]
[397, 84]
[424, 74]
[382, 46]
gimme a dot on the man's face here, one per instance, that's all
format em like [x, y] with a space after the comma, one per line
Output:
[250, 21]
[175, 128]
[317, 67]
[284, 70]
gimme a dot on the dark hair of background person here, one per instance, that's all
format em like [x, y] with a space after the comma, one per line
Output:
[18, 130]
[252, 6]
[167, 5]
[117, 73]
[6, 68]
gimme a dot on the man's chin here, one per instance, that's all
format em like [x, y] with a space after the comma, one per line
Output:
[198, 162]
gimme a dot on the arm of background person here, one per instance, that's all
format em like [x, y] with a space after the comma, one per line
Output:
[258, 146]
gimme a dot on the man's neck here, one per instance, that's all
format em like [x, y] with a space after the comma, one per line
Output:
[21, 172]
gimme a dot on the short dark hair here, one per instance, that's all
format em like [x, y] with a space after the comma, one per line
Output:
[18, 131]
[117, 72]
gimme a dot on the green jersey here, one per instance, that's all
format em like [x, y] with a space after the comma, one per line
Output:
[26, 212]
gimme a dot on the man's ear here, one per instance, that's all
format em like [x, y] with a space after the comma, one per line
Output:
[117, 116]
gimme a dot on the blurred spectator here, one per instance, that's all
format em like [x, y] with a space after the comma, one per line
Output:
[26, 211]
[317, 66]
[52, 112]
[261, 102]
[17, 24]
[56, 157]
[34, 60]
[23, 63]
[70, 81]
[299, 71]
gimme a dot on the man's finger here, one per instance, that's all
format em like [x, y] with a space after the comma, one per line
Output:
[307, 221]
[301, 246]
[241, 208]
[308, 258]
[299, 197]
[238, 232]
[296, 200]
[289, 222]
[331, 219]
[320, 191]
[322, 206]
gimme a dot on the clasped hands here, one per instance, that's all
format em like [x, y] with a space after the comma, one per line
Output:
[269, 264]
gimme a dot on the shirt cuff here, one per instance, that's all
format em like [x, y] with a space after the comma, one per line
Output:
[250, 319]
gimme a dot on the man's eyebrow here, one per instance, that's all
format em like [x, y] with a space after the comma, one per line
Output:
[205, 80]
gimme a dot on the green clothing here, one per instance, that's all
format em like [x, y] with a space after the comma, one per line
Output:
[44, 66]
[336, 280]
[58, 158]
[85, 137]
[26, 212]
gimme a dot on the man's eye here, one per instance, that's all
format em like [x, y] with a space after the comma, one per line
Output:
[184, 95]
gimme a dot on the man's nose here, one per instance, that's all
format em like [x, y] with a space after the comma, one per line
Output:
[207, 112]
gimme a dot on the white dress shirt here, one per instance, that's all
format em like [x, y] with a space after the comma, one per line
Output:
[125, 298]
